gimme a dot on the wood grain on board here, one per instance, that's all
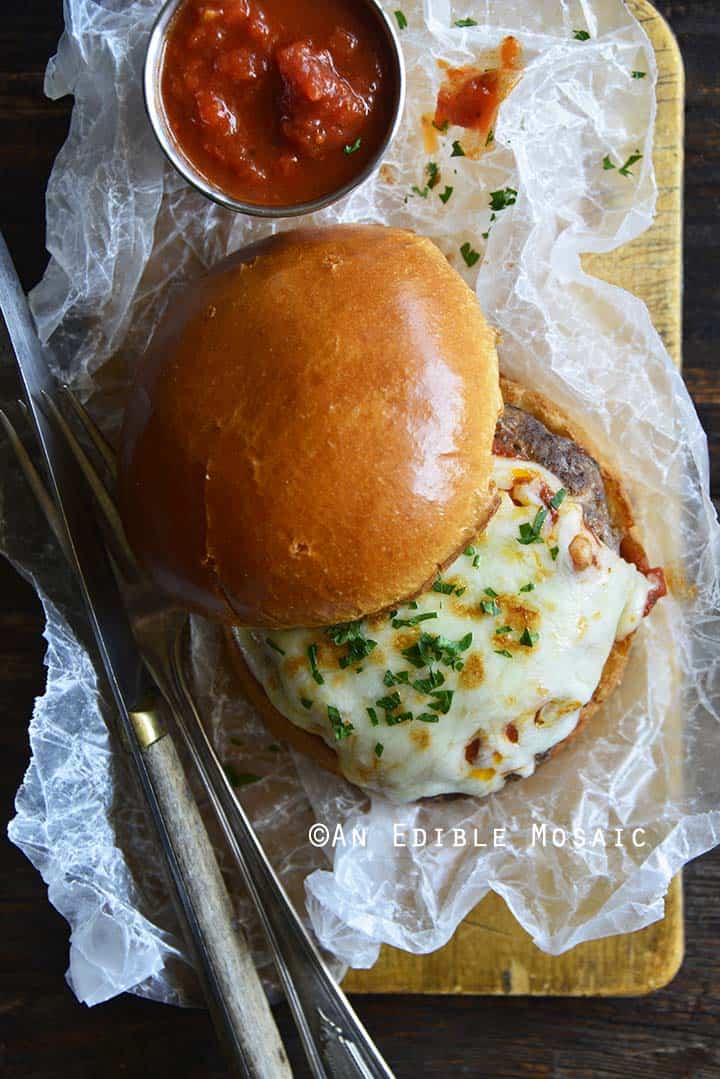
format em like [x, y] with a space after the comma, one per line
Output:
[490, 953]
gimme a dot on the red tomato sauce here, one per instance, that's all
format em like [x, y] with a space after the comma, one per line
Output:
[471, 98]
[279, 103]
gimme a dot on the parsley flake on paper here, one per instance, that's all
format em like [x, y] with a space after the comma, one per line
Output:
[469, 254]
[624, 170]
[499, 200]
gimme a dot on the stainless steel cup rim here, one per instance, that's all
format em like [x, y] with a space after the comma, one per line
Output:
[167, 142]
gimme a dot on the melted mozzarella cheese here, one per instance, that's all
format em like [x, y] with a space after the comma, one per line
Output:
[499, 669]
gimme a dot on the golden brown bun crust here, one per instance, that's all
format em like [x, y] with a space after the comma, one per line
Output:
[310, 435]
[621, 517]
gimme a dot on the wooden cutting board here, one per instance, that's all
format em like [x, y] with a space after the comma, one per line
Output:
[490, 953]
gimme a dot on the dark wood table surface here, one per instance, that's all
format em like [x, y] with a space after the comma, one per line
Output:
[44, 1032]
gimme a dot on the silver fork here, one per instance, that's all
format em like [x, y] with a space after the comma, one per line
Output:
[335, 1042]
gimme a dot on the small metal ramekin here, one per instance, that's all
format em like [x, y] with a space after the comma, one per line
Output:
[163, 132]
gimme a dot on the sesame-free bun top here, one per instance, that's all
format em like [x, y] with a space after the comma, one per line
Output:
[309, 436]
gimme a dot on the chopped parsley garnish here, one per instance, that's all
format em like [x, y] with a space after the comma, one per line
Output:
[341, 727]
[554, 552]
[624, 170]
[239, 779]
[379, 747]
[344, 632]
[460, 591]
[423, 192]
[581, 35]
[490, 592]
[470, 551]
[312, 656]
[608, 163]
[415, 620]
[530, 533]
[506, 196]
[353, 146]
[502, 652]
[502, 630]
[412, 604]
[392, 614]
[389, 703]
[427, 685]
[443, 700]
[445, 195]
[401, 678]
[558, 498]
[457, 150]
[527, 638]
[441, 126]
[638, 74]
[351, 634]
[465, 22]
[490, 137]
[529, 587]
[399, 717]
[446, 588]
[373, 716]
[489, 606]
[306, 703]
[469, 254]
[273, 644]
[430, 649]
[401, 20]
[428, 717]
[433, 173]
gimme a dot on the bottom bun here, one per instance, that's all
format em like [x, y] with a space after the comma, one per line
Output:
[621, 519]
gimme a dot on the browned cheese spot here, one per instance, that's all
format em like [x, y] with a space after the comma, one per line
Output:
[473, 672]
[517, 614]
[420, 736]
[293, 664]
[406, 638]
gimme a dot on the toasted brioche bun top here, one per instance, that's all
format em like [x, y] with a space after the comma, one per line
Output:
[309, 437]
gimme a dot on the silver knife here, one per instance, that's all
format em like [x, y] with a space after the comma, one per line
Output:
[235, 997]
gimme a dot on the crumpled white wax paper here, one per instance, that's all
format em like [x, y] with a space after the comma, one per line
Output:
[121, 227]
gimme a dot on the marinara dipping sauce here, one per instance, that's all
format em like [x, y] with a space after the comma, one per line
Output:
[281, 102]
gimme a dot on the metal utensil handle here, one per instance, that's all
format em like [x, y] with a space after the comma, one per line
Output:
[249, 1024]
[336, 1043]
[205, 916]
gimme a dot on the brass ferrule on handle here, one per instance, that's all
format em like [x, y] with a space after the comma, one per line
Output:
[148, 724]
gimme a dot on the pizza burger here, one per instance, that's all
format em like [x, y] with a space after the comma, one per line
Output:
[429, 579]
